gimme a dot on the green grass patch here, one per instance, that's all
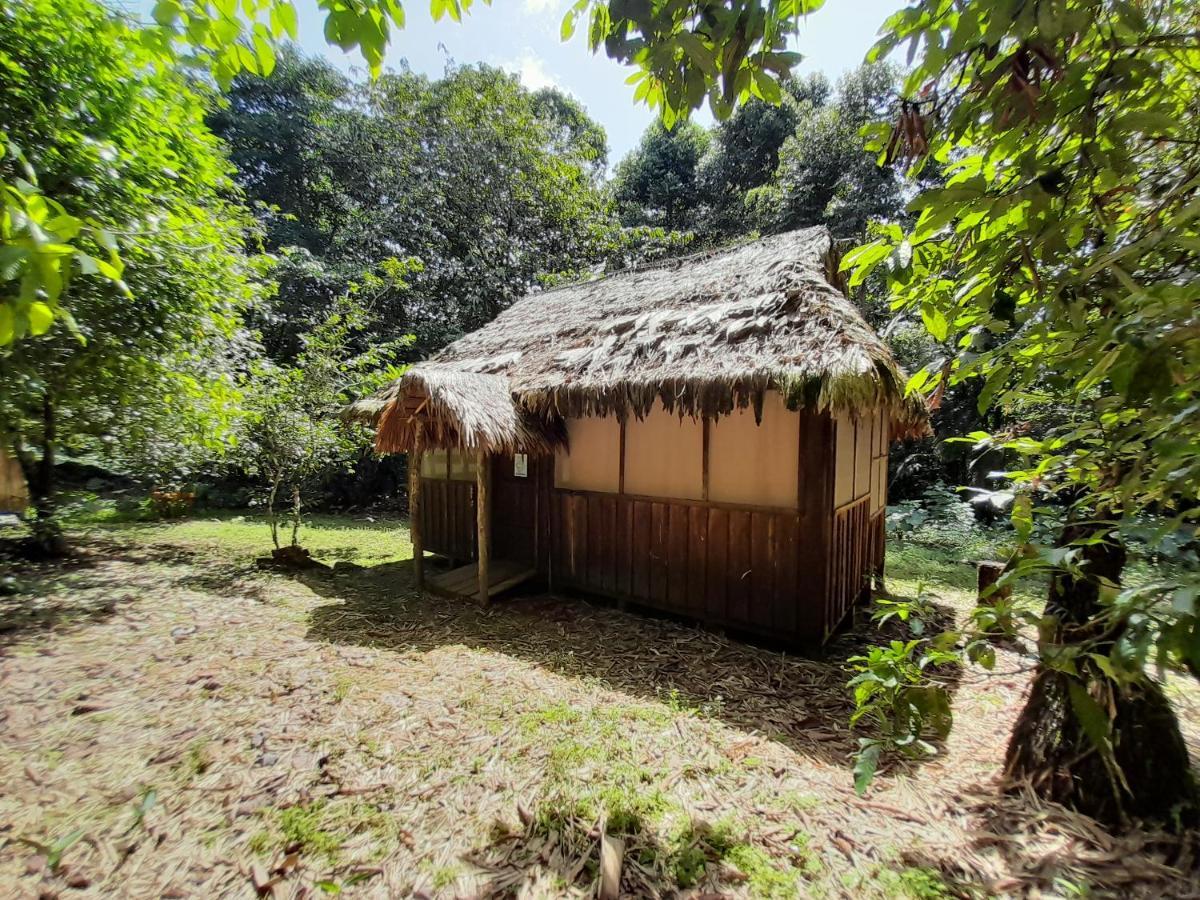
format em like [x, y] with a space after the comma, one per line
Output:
[363, 541]
[323, 827]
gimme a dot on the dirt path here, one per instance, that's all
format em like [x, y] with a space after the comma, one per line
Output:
[188, 726]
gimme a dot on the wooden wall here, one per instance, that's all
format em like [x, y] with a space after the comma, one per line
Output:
[448, 517]
[790, 574]
[752, 569]
[757, 569]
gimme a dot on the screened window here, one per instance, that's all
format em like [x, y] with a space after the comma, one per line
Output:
[462, 465]
[755, 464]
[664, 456]
[593, 460]
[433, 464]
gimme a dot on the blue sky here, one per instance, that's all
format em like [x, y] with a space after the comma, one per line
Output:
[523, 37]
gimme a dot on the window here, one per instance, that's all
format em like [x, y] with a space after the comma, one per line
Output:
[593, 462]
[864, 442]
[843, 491]
[664, 456]
[755, 464]
[462, 465]
[433, 464]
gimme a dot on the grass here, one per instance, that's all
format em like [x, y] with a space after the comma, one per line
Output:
[363, 539]
[429, 746]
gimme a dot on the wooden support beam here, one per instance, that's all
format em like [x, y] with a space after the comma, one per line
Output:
[414, 510]
[483, 478]
[621, 463]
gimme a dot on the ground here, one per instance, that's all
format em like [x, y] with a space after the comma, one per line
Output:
[177, 722]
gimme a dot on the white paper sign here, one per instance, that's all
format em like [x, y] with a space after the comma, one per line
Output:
[520, 465]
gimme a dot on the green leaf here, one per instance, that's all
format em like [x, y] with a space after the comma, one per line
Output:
[41, 317]
[62, 845]
[1091, 716]
[866, 763]
[166, 12]
[935, 322]
[6, 324]
[285, 13]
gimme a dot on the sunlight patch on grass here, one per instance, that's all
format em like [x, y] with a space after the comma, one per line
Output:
[363, 541]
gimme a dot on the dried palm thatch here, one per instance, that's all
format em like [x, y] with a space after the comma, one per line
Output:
[458, 409]
[703, 335]
[14, 494]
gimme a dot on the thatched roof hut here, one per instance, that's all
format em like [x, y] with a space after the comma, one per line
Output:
[707, 436]
[703, 335]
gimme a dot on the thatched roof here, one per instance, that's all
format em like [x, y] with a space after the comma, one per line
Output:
[704, 335]
[455, 409]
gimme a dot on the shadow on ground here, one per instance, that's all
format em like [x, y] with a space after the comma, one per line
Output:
[800, 701]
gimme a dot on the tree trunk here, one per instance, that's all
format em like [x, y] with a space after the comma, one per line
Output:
[1142, 770]
[47, 538]
[272, 516]
[295, 515]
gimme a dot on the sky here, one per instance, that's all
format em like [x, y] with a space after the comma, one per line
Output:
[522, 36]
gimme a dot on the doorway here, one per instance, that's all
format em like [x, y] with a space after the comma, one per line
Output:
[515, 508]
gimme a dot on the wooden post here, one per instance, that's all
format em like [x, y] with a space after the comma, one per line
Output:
[414, 508]
[483, 477]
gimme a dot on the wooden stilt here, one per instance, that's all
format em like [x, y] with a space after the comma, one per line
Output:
[414, 510]
[483, 477]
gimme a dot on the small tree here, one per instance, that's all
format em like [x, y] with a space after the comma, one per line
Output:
[295, 434]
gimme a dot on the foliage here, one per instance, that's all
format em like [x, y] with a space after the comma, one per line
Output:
[825, 175]
[744, 153]
[293, 433]
[940, 518]
[487, 185]
[688, 52]
[896, 693]
[1059, 261]
[656, 184]
[39, 249]
[121, 145]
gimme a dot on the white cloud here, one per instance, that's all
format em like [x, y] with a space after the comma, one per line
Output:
[538, 7]
[531, 69]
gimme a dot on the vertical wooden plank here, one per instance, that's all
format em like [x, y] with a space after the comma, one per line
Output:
[762, 576]
[414, 510]
[643, 522]
[579, 532]
[704, 463]
[677, 558]
[554, 537]
[697, 568]
[786, 552]
[716, 587]
[453, 514]
[483, 478]
[596, 541]
[612, 558]
[815, 561]
[568, 537]
[658, 553]
[740, 566]
[621, 463]
[625, 550]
